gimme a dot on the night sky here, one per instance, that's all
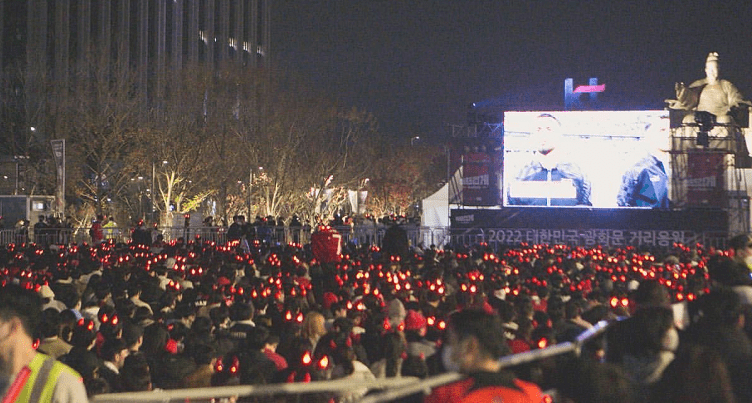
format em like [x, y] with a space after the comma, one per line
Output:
[417, 65]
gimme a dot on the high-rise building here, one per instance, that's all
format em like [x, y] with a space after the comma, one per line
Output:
[48, 46]
[153, 37]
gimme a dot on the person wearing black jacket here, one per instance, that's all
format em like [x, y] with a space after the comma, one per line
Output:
[719, 326]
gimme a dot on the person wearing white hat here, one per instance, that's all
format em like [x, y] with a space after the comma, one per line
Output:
[48, 299]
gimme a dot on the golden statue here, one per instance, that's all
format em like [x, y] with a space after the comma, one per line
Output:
[710, 94]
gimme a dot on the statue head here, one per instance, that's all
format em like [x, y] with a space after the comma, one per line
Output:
[711, 68]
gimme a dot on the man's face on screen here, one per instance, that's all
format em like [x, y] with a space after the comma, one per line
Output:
[547, 134]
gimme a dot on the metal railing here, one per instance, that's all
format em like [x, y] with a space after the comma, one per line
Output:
[506, 362]
[358, 235]
[367, 235]
[270, 392]
[58, 236]
[381, 390]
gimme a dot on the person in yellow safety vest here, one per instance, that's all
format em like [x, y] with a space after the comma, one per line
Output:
[110, 228]
[27, 376]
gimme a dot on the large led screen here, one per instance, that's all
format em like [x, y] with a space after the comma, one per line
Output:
[598, 159]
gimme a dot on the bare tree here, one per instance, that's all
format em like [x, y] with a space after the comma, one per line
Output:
[228, 121]
[270, 140]
[253, 141]
[99, 115]
[173, 146]
[27, 126]
[403, 176]
[305, 142]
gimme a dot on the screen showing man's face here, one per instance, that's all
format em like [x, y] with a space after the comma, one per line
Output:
[599, 151]
[548, 134]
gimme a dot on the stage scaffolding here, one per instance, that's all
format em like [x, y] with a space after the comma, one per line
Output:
[709, 170]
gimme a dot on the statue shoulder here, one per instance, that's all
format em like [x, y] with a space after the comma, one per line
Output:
[698, 83]
[727, 84]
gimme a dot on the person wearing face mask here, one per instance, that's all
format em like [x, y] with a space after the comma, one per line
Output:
[25, 374]
[474, 345]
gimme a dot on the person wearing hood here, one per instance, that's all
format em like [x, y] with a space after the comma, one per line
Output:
[649, 343]
[416, 327]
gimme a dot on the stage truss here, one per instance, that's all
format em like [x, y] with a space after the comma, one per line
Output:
[710, 172]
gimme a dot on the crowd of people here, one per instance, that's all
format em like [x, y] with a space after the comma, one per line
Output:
[195, 313]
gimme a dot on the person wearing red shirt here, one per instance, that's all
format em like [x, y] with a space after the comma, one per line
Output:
[270, 350]
[475, 343]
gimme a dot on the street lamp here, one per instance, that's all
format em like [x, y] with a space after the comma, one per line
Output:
[151, 193]
[138, 182]
[20, 160]
[153, 190]
[250, 189]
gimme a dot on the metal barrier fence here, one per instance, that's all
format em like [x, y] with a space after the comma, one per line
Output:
[380, 391]
[359, 235]
[59, 236]
[366, 235]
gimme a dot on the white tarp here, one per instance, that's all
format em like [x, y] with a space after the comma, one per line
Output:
[436, 206]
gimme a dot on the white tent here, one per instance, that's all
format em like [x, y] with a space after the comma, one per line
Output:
[436, 207]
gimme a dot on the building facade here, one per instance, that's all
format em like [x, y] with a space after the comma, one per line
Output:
[152, 36]
[47, 45]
